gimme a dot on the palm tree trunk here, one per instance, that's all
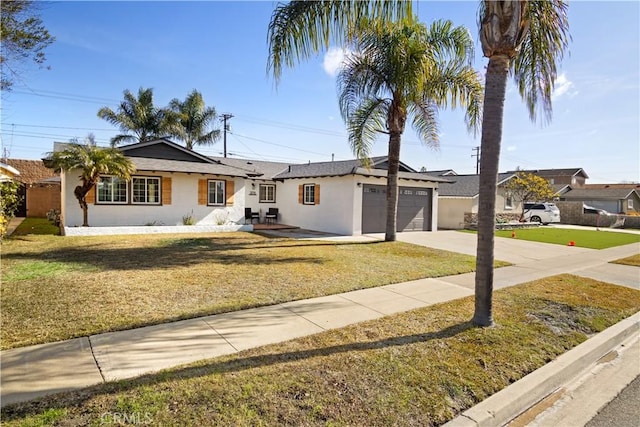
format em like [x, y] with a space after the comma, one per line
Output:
[392, 186]
[494, 96]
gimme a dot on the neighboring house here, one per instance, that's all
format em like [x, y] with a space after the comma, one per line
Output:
[8, 173]
[458, 201]
[574, 177]
[172, 182]
[40, 188]
[443, 172]
[611, 198]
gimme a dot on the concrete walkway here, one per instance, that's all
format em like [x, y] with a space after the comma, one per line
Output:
[34, 371]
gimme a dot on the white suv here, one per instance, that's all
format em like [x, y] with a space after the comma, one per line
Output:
[544, 213]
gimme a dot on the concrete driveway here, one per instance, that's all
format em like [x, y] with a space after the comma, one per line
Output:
[506, 249]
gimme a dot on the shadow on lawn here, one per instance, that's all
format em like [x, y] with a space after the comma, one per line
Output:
[236, 364]
[182, 252]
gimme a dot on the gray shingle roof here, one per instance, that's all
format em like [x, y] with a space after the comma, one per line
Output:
[555, 172]
[599, 193]
[162, 165]
[466, 185]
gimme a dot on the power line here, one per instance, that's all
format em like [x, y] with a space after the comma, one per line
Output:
[225, 127]
[58, 127]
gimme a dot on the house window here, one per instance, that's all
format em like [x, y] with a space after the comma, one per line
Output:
[630, 204]
[216, 193]
[146, 190]
[112, 190]
[267, 193]
[508, 201]
[309, 194]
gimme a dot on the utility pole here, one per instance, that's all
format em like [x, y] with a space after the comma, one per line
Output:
[225, 117]
[477, 156]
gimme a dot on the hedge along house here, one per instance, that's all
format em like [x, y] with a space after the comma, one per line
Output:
[172, 183]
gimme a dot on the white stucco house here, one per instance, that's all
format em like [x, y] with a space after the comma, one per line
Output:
[171, 182]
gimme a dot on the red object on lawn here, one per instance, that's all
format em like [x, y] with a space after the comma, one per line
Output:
[513, 233]
[572, 243]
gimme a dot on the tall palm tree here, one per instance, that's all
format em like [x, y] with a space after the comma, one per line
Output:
[402, 71]
[138, 119]
[92, 162]
[300, 28]
[528, 39]
[194, 121]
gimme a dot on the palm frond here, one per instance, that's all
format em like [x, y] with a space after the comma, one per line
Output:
[425, 122]
[300, 29]
[365, 123]
[535, 66]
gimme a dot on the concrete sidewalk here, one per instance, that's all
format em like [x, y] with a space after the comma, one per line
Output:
[34, 371]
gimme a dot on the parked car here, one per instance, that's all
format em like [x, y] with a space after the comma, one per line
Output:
[544, 213]
[591, 209]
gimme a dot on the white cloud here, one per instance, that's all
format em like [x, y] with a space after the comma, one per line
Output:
[563, 86]
[333, 60]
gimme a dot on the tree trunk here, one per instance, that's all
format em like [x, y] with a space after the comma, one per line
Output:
[81, 194]
[392, 186]
[494, 96]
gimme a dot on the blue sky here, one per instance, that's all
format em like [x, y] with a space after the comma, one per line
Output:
[220, 48]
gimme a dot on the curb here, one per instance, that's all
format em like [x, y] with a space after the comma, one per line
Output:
[508, 403]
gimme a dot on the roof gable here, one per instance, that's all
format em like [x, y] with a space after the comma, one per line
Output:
[556, 172]
[163, 149]
[468, 185]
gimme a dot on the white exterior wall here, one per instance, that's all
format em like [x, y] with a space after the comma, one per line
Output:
[334, 214]
[451, 212]
[184, 201]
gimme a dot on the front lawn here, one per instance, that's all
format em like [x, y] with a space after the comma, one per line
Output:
[55, 288]
[36, 226]
[582, 238]
[421, 367]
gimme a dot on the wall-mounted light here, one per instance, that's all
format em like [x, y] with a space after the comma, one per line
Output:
[253, 185]
[359, 184]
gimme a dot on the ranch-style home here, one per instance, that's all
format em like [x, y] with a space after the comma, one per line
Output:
[172, 183]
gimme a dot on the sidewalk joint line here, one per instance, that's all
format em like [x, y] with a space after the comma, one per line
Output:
[95, 359]
[308, 320]
[220, 335]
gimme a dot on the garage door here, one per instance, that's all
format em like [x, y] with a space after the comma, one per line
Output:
[414, 209]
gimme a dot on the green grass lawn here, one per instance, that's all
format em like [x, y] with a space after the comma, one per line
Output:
[422, 367]
[55, 288]
[40, 226]
[583, 238]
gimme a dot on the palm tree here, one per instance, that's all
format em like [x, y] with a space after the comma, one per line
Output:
[528, 39]
[92, 162]
[300, 28]
[140, 117]
[194, 120]
[403, 71]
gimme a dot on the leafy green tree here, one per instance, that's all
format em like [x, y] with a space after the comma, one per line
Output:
[23, 37]
[92, 162]
[528, 187]
[10, 199]
[138, 119]
[402, 71]
[526, 39]
[194, 121]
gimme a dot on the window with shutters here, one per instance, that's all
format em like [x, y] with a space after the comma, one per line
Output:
[146, 190]
[309, 194]
[216, 192]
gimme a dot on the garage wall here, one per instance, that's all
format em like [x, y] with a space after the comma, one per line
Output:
[335, 212]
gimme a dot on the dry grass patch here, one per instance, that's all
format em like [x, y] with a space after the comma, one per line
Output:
[417, 368]
[633, 260]
[55, 288]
